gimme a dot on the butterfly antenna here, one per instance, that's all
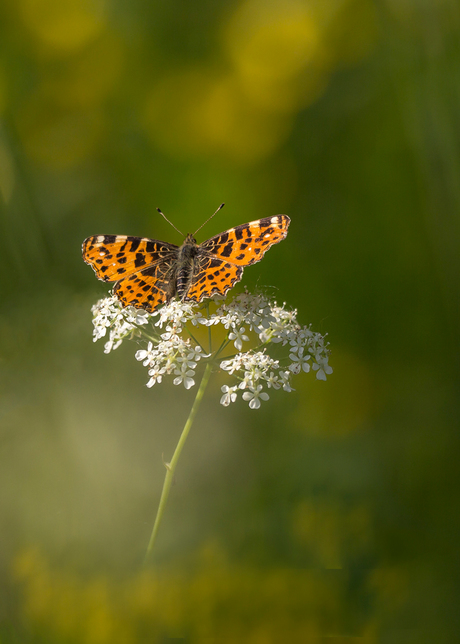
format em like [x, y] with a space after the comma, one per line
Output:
[170, 222]
[219, 208]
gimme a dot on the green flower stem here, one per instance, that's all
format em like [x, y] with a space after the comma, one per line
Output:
[195, 340]
[209, 329]
[171, 467]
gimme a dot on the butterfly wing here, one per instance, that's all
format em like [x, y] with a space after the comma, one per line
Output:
[246, 244]
[115, 256]
[140, 266]
[212, 276]
[221, 259]
[147, 288]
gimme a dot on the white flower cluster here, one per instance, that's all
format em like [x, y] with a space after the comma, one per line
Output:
[272, 324]
[109, 315]
[170, 352]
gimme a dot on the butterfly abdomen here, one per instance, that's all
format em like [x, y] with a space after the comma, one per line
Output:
[185, 266]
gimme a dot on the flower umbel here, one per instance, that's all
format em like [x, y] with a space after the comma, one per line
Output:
[277, 348]
[254, 321]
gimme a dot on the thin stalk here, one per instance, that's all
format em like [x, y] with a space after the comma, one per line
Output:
[225, 342]
[209, 329]
[194, 339]
[171, 467]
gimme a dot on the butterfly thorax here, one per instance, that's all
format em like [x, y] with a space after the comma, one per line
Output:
[188, 248]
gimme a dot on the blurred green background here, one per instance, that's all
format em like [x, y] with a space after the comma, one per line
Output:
[333, 512]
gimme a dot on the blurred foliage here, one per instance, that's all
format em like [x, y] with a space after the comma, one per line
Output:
[216, 597]
[332, 512]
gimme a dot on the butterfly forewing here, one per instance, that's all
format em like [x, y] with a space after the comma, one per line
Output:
[114, 256]
[246, 244]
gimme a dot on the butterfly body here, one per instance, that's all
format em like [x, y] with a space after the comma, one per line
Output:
[186, 261]
[149, 272]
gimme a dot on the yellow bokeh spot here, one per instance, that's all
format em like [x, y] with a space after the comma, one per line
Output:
[193, 112]
[236, 127]
[276, 50]
[62, 26]
[274, 40]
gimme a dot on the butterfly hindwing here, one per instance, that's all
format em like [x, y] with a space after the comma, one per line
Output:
[213, 276]
[147, 288]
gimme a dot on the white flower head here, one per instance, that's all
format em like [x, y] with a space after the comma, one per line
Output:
[147, 356]
[185, 376]
[321, 367]
[229, 396]
[238, 337]
[277, 348]
[299, 361]
[254, 396]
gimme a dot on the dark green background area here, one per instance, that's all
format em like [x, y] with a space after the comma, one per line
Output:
[333, 510]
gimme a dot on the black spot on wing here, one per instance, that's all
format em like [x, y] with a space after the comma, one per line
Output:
[227, 250]
[140, 260]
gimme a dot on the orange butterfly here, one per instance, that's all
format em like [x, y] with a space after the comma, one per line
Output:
[148, 272]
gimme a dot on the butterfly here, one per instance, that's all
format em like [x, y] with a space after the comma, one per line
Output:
[149, 272]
